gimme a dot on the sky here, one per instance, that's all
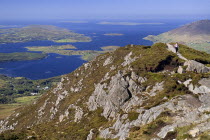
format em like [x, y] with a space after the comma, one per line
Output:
[103, 9]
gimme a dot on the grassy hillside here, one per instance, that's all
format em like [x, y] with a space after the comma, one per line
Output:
[8, 109]
[193, 54]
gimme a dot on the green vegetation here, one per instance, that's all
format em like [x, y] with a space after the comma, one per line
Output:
[154, 58]
[12, 88]
[8, 109]
[133, 116]
[50, 48]
[193, 54]
[77, 131]
[18, 91]
[69, 40]
[182, 132]
[109, 48]
[150, 130]
[26, 99]
[205, 136]
[21, 56]
[65, 50]
[40, 32]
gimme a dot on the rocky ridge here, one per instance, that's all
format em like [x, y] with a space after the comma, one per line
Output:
[135, 92]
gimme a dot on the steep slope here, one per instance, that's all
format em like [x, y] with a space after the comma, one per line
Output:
[196, 35]
[134, 92]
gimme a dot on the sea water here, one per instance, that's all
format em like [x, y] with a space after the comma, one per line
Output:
[55, 64]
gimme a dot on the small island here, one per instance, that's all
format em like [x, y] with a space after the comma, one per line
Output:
[113, 34]
[109, 48]
[21, 56]
[8, 26]
[40, 32]
[70, 50]
[127, 23]
[74, 21]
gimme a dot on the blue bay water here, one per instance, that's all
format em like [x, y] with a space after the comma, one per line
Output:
[56, 64]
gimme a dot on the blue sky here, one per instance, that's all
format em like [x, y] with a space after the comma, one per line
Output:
[103, 9]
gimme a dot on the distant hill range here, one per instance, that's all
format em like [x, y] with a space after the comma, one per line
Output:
[195, 35]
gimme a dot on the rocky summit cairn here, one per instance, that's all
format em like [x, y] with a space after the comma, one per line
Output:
[135, 92]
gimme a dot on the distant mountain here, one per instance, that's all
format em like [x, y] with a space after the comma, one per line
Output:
[135, 92]
[196, 35]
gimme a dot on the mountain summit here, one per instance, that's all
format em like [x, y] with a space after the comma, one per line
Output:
[201, 27]
[135, 92]
[196, 35]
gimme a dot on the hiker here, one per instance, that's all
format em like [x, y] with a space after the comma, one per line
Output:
[176, 46]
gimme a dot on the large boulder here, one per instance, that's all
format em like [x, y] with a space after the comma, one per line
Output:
[171, 48]
[196, 66]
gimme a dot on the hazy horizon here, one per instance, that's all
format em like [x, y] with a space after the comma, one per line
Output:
[103, 9]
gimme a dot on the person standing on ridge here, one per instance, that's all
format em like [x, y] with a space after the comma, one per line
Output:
[176, 46]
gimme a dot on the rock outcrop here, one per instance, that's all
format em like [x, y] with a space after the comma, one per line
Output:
[196, 66]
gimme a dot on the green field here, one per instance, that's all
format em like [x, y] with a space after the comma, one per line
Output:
[7, 109]
[12, 88]
[15, 92]
[26, 99]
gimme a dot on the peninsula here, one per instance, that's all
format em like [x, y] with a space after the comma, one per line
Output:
[195, 35]
[40, 32]
[70, 50]
[21, 56]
